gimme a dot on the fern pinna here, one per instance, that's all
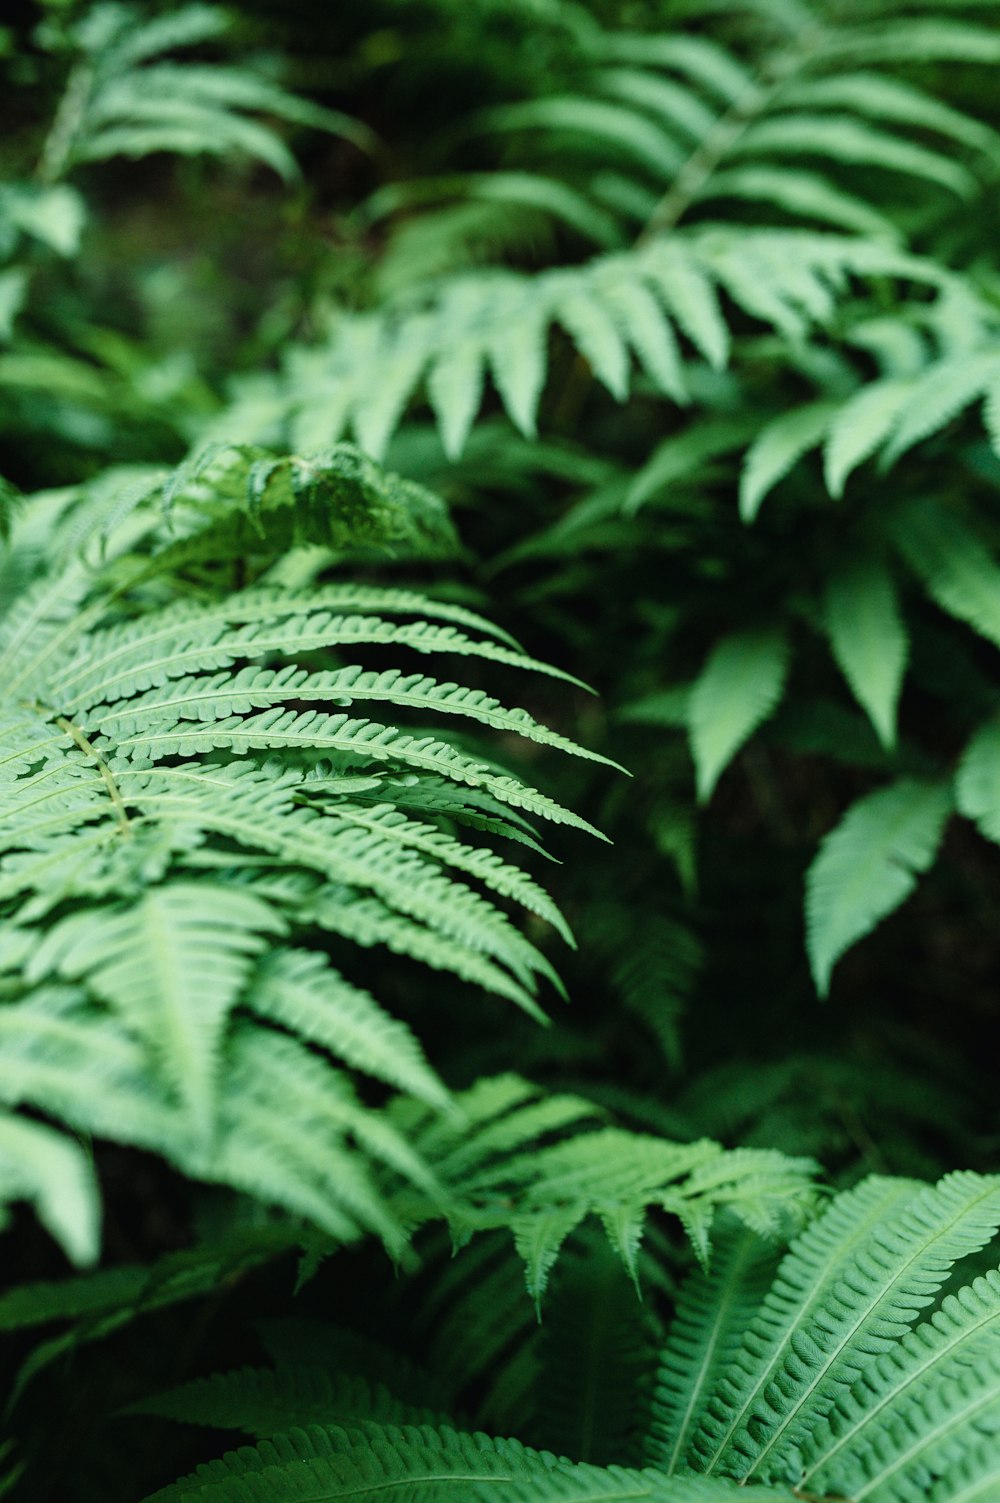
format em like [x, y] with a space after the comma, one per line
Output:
[862, 1366]
[197, 809]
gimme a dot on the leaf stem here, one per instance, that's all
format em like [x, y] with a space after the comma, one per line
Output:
[114, 791]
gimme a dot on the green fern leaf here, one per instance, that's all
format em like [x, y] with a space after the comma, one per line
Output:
[284, 1122]
[884, 1413]
[300, 990]
[779, 446]
[38, 1163]
[173, 967]
[739, 686]
[212, 698]
[166, 875]
[715, 1309]
[858, 429]
[847, 1290]
[641, 321]
[692, 300]
[185, 129]
[804, 194]
[695, 57]
[907, 1261]
[84, 1070]
[489, 868]
[971, 1478]
[306, 1464]
[121, 102]
[516, 347]
[538, 1239]
[683, 455]
[185, 27]
[455, 390]
[674, 105]
[868, 865]
[623, 133]
[945, 390]
[596, 335]
[977, 785]
[866, 631]
[883, 98]
[590, 1355]
[263, 1402]
[842, 139]
[370, 922]
[956, 568]
[914, 39]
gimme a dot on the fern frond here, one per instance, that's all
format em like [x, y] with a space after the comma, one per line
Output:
[590, 1358]
[940, 394]
[700, 59]
[44, 1166]
[216, 698]
[616, 132]
[489, 868]
[886, 1267]
[868, 865]
[170, 803]
[714, 1311]
[860, 426]
[815, 1266]
[544, 1192]
[500, 321]
[58, 1056]
[172, 967]
[121, 661]
[105, 1294]
[841, 139]
[956, 568]
[897, 1396]
[806, 195]
[285, 1123]
[301, 991]
[738, 687]
[977, 785]
[264, 1402]
[123, 102]
[293, 1468]
[779, 446]
[880, 97]
[952, 39]
[972, 1477]
[863, 622]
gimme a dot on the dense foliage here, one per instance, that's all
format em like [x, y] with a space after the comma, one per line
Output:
[499, 750]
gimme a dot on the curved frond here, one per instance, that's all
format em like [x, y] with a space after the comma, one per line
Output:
[868, 865]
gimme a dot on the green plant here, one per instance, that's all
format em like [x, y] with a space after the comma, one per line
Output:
[680, 322]
[815, 1379]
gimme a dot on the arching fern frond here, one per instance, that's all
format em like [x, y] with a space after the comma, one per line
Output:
[500, 1172]
[170, 804]
[436, 1463]
[125, 100]
[632, 305]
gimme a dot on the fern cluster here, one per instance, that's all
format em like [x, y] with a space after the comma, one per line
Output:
[818, 1375]
[379, 381]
